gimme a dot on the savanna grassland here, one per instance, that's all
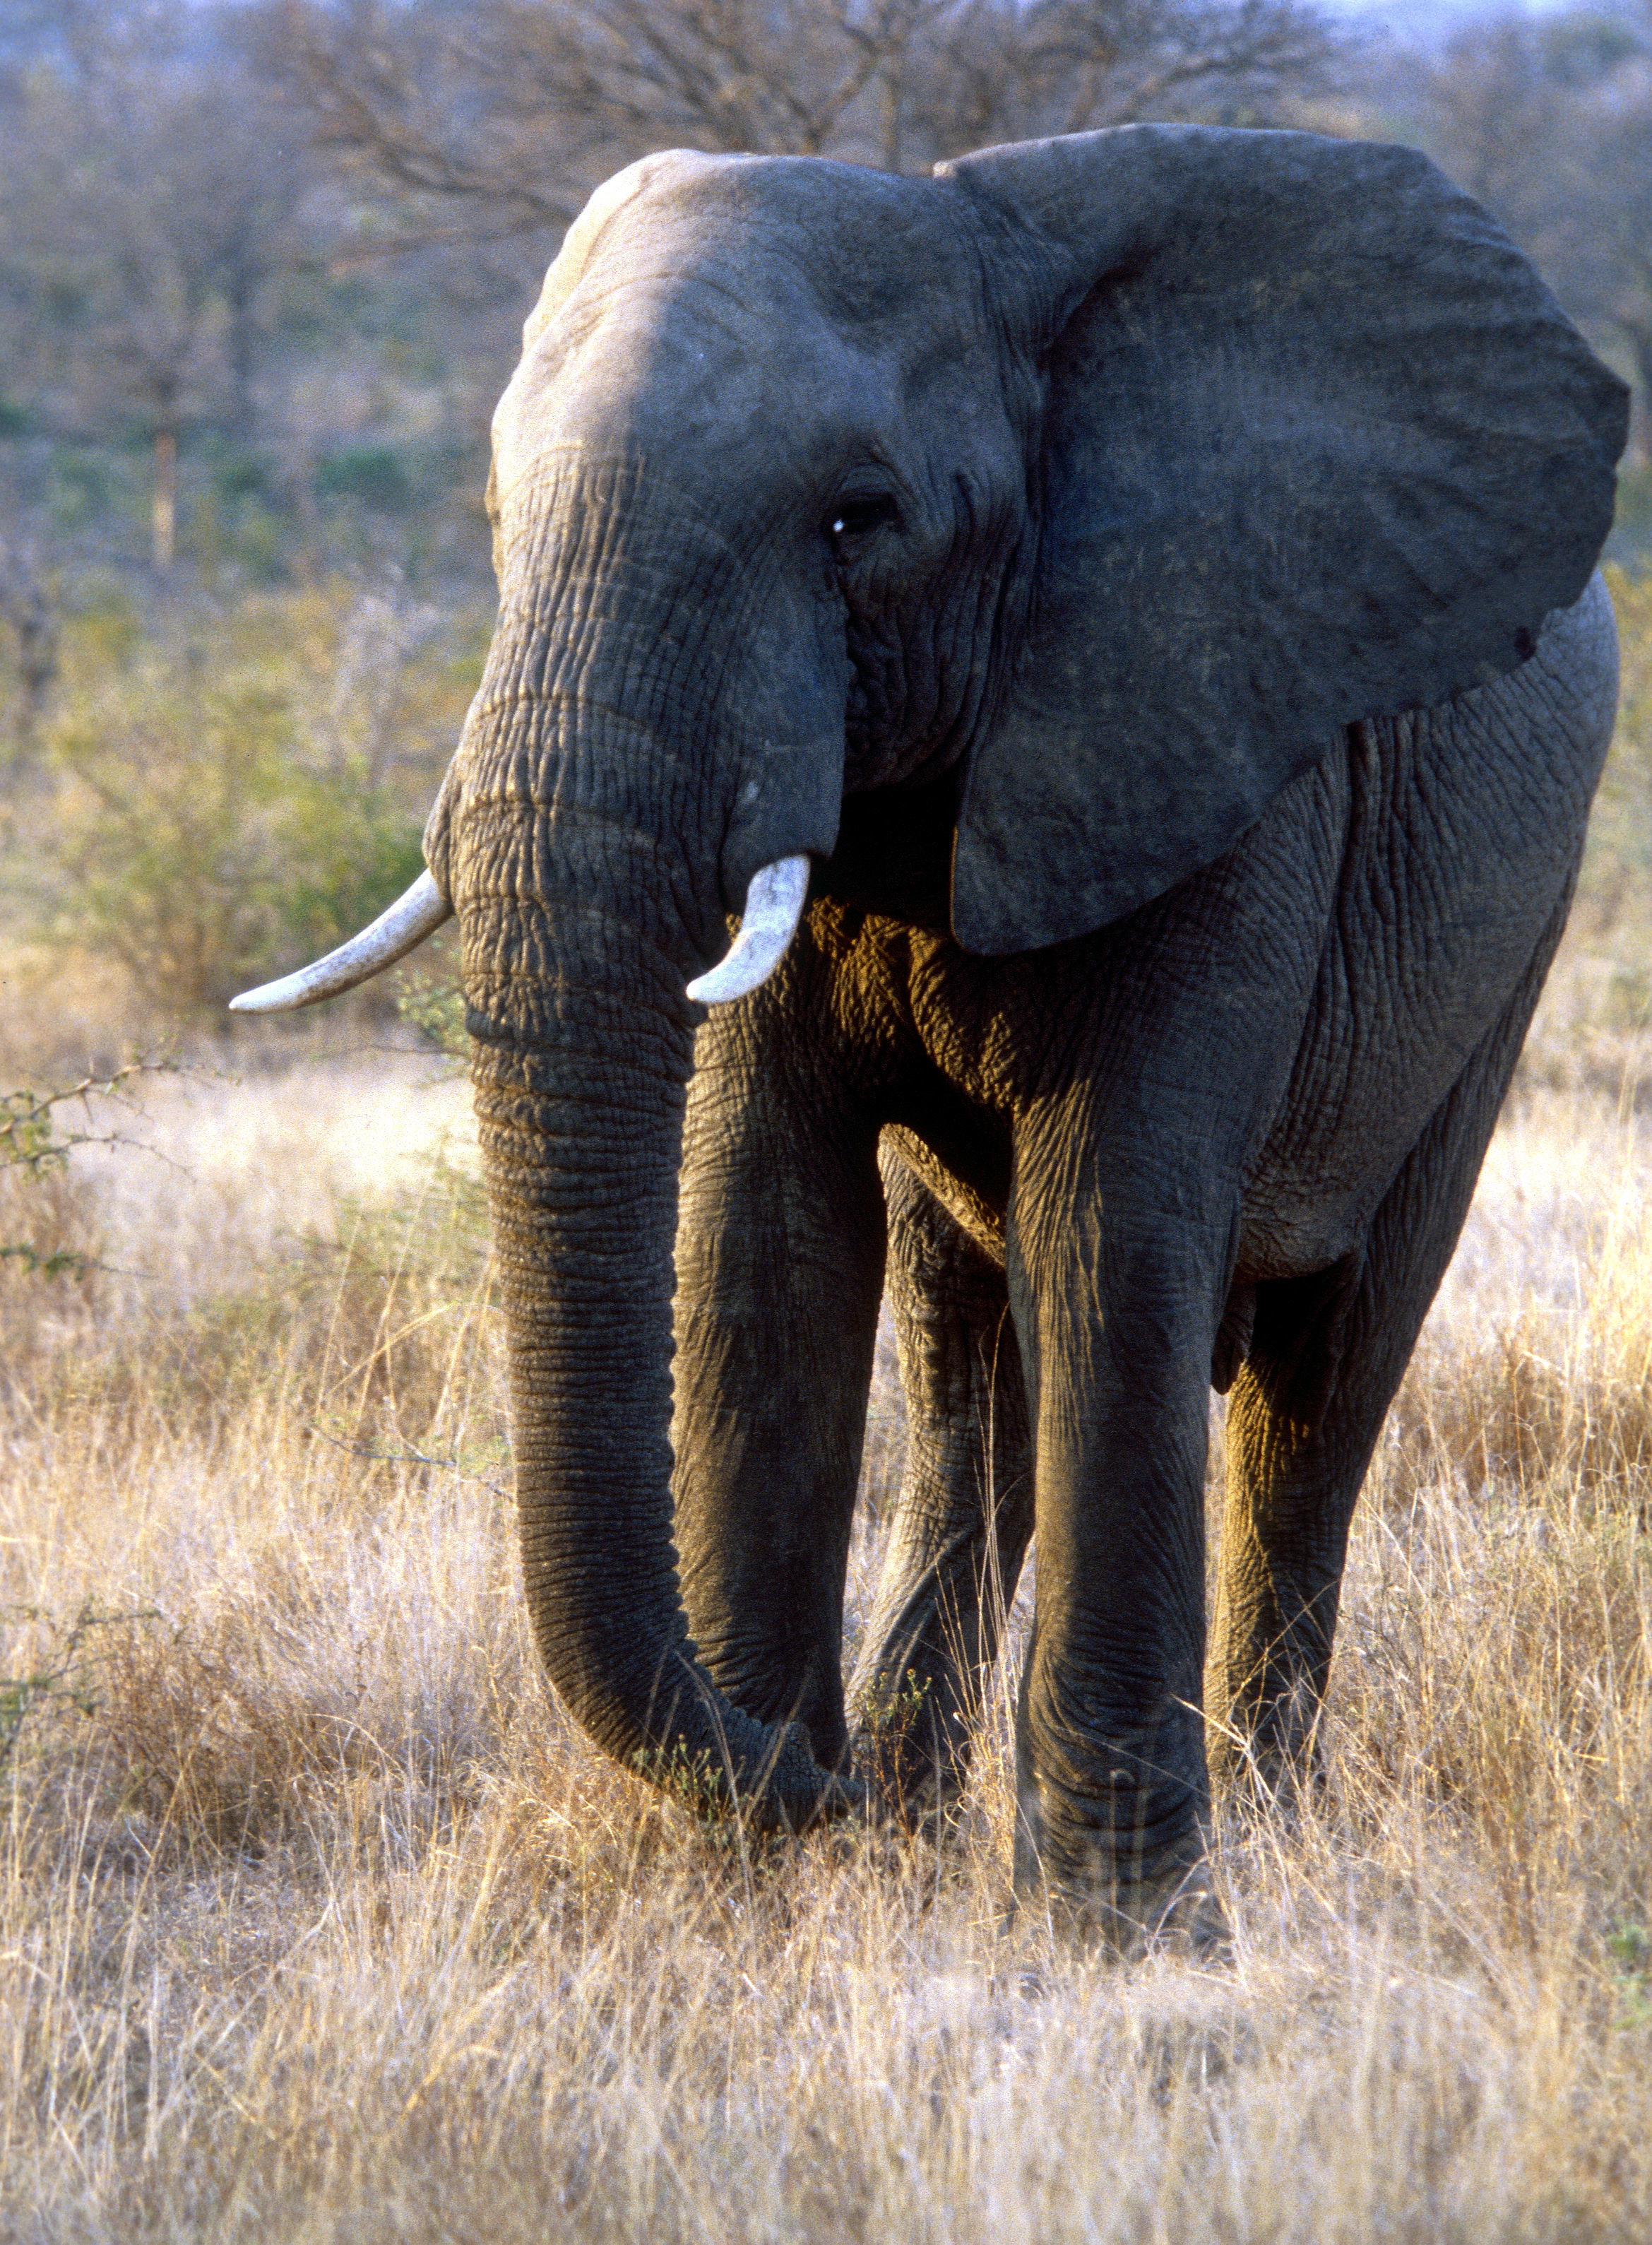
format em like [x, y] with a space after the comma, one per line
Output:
[317, 1921]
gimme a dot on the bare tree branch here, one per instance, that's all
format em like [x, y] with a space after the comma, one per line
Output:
[520, 106]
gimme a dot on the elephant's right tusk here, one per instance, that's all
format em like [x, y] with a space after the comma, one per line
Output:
[774, 906]
[392, 935]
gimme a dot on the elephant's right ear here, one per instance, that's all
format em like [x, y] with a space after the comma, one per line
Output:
[1318, 446]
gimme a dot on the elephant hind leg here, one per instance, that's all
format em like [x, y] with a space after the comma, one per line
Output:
[964, 1513]
[1325, 1357]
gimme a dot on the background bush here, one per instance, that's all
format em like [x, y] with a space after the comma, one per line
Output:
[228, 789]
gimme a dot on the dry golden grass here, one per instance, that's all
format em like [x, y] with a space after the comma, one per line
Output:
[317, 1921]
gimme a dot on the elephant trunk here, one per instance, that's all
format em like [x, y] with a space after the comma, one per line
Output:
[585, 905]
[580, 1141]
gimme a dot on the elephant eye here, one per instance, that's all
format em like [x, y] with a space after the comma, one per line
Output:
[853, 521]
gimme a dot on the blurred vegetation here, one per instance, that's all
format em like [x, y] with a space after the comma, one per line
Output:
[1615, 889]
[220, 788]
[264, 263]
[216, 788]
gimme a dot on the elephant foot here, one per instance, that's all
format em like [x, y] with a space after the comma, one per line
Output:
[1274, 1768]
[1282, 1793]
[1183, 1920]
[1109, 1893]
[1180, 1918]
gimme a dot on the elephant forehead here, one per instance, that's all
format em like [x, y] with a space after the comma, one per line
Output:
[678, 365]
[755, 322]
[794, 268]
[858, 243]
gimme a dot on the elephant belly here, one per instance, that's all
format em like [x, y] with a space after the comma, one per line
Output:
[1378, 1061]
[1466, 830]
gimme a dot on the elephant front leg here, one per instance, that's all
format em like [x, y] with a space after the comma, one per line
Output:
[1114, 1308]
[964, 1513]
[779, 1262]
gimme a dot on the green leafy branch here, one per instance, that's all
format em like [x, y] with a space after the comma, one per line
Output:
[1629, 1946]
[60, 1262]
[436, 1008]
[693, 1780]
[408, 1457]
[33, 1140]
[28, 1138]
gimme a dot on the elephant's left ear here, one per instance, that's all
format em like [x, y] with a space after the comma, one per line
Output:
[1318, 446]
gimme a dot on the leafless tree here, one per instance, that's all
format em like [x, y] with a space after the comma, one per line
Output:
[501, 117]
[27, 610]
[148, 202]
[999, 71]
[1604, 249]
[1498, 115]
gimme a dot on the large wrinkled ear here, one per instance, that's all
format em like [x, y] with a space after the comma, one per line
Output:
[1318, 446]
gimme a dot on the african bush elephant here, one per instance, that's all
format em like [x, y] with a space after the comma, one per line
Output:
[1141, 584]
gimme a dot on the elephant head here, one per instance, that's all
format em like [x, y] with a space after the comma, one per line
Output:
[1102, 482]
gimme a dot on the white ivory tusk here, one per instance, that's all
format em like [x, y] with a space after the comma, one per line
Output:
[774, 906]
[392, 935]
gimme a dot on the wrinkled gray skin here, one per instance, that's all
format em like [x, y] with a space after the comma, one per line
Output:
[1054, 549]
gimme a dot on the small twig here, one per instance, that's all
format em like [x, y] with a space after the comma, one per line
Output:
[19, 1694]
[27, 1139]
[406, 1458]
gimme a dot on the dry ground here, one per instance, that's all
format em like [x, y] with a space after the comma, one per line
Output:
[316, 1921]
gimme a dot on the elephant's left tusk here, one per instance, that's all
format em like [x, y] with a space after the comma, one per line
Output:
[774, 906]
[414, 915]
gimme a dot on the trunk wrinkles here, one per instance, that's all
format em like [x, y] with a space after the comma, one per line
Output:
[584, 910]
